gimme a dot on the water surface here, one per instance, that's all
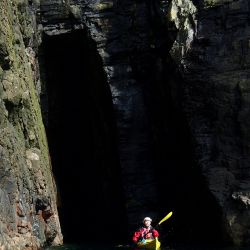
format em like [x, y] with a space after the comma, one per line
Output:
[127, 247]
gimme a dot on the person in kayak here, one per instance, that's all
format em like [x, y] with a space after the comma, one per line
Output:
[145, 232]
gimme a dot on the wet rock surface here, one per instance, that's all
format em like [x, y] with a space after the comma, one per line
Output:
[171, 66]
[25, 170]
[211, 51]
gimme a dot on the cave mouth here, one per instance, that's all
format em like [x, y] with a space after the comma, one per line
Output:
[78, 115]
[182, 187]
[197, 217]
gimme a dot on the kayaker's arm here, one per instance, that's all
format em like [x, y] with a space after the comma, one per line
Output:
[155, 233]
[136, 236]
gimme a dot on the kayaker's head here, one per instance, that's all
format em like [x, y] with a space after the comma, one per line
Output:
[147, 221]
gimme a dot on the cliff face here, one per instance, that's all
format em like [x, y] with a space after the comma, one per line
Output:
[28, 213]
[176, 73]
[211, 50]
[121, 33]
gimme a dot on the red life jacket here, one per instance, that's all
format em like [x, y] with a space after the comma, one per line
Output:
[145, 233]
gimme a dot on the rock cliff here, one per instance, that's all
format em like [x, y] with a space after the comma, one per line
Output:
[211, 52]
[176, 73]
[28, 213]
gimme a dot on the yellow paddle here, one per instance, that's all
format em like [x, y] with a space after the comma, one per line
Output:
[166, 217]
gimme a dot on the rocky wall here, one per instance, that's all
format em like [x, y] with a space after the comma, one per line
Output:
[208, 46]
[211, 51]
[208, 42]
[28, 212]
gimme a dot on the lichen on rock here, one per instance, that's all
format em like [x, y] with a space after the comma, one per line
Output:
[24, 159]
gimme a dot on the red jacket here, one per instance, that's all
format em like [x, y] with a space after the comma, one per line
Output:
[145, 233]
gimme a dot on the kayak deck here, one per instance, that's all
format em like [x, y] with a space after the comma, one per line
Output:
[152, 244]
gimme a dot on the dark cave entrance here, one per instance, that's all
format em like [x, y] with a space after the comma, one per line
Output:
[81, 130]
[197, 217]
[77, 108]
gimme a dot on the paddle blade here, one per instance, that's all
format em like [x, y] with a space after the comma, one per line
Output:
[166, 217]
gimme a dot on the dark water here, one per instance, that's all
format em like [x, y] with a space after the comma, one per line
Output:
[84, 247]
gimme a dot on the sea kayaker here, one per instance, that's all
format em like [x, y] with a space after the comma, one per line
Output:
[145, 232]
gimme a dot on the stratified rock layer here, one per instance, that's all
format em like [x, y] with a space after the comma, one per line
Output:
[209, 42]
[212, 52]
[28, 213]
[120, 31]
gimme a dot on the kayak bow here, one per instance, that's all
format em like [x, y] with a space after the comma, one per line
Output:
[152, 244]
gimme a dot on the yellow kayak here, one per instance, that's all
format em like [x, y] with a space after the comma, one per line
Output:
[152, 244]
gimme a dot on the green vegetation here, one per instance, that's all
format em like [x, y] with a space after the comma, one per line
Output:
[103, 6]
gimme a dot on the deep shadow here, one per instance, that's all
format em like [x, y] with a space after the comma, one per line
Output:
[83, 142]
[82, 139]
[182, 188]
[197, 217]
